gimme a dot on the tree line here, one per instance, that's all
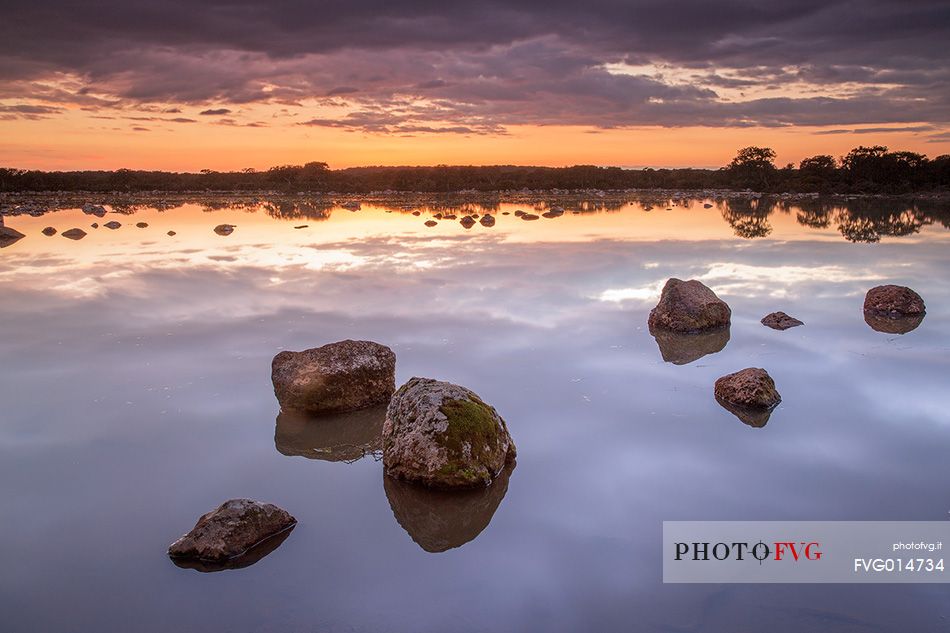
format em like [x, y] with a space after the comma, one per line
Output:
[865, 169]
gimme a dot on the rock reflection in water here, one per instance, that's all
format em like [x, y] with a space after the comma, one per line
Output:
[440, 520]
[248, 558]
[681, 349]
[893, 325]
[344, 437]
[756, 417]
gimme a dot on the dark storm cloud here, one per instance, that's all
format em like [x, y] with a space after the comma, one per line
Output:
[481, 66]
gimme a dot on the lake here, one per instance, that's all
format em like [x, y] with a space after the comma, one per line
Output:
[137, 396]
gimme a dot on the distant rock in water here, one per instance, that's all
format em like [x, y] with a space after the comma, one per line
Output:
[689, 307]
[171, 234]
[141, 225]
[94, 225]
[224, 229]
[49, 231]
[74, 234]
[302, 226]
[487, 220]
[554, 212]
[749, 394]
[112, 224]
[681, 349]
[94, 209]
[417, 213]
[431, 223]
[226, 536]
[444, 436]
[519, 213]
[893, 301]
[9, 236]
[707, 206]
[529, 216]
[468, 221]
[334, 378]
[440, 520]
[780, 321]
[342, 437]
[351, 205]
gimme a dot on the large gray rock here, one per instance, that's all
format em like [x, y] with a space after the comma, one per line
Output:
[689, 307]
[335, 378]
[231, 530]
[444, 436]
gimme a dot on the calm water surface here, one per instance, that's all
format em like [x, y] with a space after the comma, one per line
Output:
[136, 396]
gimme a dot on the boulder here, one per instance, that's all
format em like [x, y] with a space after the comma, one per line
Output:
[468, 221]
[487, 220]
[74, 234]
[780, 321]
[342, 437]
[224, 229]
[444, 436]
[335, 378]
[49, 231]
[893, 301]
[751, 387]
[689, 307]
[681, 349]
[231, 530]
[8, 236]
[440, 520]
[112, 224]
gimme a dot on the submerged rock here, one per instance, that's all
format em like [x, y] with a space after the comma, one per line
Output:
[780, 321]
[487, 220]
[49, 231]
[343, 437]
[444, 436]
[681, 349]
[231, 531]
[335, 378]
[224, 229]
[112, 224]
[689, 307]
[8, 236]
[894, 301]
[751, 387]
[74, 234]
[248, 558]
[440, 520]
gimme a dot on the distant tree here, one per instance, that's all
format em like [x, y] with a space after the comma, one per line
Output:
[754, 167]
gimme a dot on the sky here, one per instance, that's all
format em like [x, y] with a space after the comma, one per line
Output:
[233, 84]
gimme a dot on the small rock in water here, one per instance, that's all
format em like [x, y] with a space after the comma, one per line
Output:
[444, 436]
[8, 236]
[416, 213]
[171, 233]
[780, 321]
[335, 378]
[750, 387]
[468, 221]
[74, 234]
[688, 307]
[302, 226]
[141, 225]
[529, 216]
[112, 225]
[94, 225]
[893, 301]
[450, 216]
[554, 212]
[505, 213]
[49, 231]
[224, 229]
[487, 220]
[707, 206]
[231, 530]
[431, 222]
[519, 213]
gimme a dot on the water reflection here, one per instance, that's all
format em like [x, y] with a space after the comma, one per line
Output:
[345, 437]
[893, 325]
[682, 349]
[440, 520]
[756, 417]
[248, 558]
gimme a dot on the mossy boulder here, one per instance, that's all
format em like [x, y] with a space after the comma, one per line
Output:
[444, 436]
[689, 307]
